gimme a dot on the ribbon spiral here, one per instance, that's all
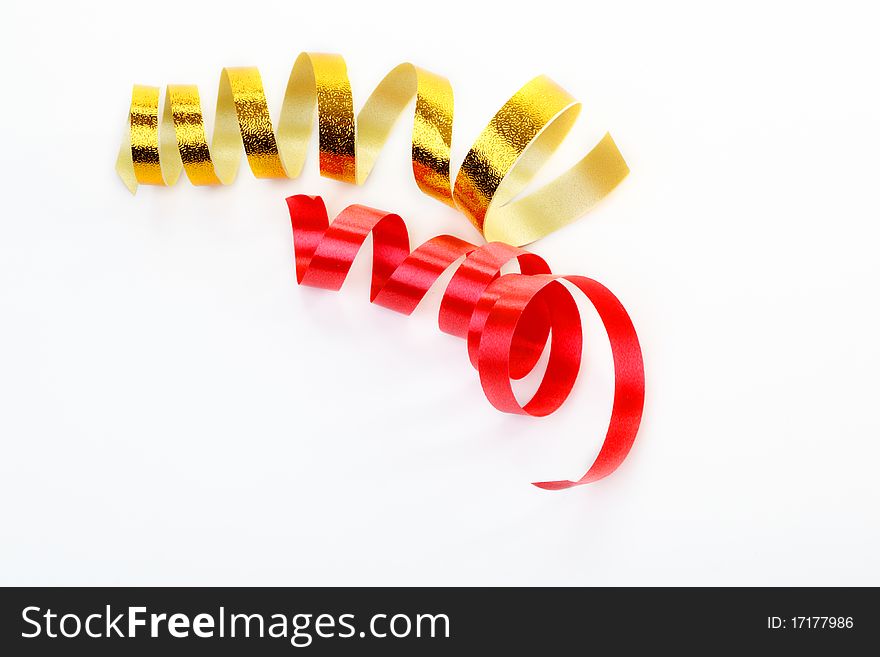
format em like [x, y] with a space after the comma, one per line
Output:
[506, 319]
[519, 139]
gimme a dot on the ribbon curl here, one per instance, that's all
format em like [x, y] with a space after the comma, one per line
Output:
[506, 319]
[506, 156]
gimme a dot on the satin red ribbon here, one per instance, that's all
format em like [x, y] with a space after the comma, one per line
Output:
[506, 319]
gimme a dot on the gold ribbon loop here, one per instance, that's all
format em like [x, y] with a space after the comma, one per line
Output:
[506, 156]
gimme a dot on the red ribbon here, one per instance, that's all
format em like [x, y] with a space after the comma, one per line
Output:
[506, 319]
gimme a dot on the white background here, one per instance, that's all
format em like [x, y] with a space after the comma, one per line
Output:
[175, 410]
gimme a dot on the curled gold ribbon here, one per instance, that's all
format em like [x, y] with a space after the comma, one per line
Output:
[506, 156]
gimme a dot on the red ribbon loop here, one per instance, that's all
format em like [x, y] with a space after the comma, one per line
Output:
[506, 319]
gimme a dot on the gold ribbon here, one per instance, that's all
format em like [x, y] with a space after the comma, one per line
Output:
[506, 156]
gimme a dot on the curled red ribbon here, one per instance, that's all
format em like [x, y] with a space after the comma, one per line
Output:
[506, 319]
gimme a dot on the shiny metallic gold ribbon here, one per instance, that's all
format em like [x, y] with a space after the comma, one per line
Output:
[506, 156]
